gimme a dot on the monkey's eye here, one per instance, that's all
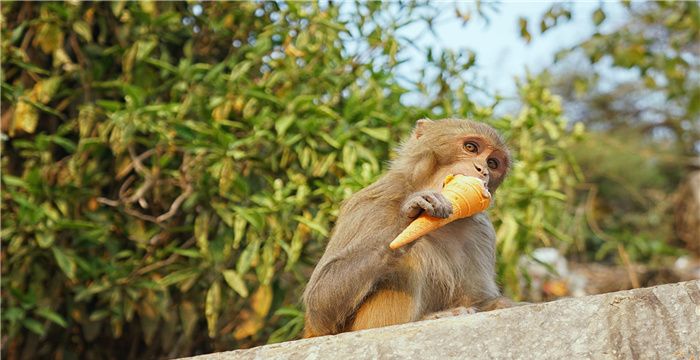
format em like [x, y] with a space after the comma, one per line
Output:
[471, 147]
[492, 163]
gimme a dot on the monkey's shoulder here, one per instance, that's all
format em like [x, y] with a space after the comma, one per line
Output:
[371, 200]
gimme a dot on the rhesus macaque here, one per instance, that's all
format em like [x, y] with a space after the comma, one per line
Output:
[360, 283]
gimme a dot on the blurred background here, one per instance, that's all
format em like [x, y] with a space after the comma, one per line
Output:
[171, 170]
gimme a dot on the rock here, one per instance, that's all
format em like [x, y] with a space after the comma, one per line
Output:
[661, 322]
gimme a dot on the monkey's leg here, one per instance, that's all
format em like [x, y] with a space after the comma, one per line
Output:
[383, 308]
[308, 332]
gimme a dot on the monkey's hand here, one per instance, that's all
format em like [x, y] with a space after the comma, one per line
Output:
[432, 202]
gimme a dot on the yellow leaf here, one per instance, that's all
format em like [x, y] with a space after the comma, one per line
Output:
[44, 90]
[292, 51]
[222, 111]
[250, 326]
[148, 7]
[25, 118]
[262, 300]
[556, 288]
[49, 37]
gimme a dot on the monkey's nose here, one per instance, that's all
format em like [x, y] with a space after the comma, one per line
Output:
[480, 169]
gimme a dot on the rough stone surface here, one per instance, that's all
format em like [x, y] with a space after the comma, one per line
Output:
[661, 322]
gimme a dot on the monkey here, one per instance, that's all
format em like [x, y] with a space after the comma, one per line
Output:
[360, 283]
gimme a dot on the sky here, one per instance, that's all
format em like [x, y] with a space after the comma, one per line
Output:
[501, 53]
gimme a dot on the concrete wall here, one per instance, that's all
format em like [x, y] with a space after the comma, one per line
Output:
[661, 322]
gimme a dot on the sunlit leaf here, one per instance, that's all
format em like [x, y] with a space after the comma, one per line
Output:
[212, 308]
[201, 233]
[382, 134]
[262, 300]
[236, 282]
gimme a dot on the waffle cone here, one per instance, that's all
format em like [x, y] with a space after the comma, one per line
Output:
[466, 193]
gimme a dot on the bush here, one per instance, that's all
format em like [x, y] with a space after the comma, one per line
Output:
[167, 190]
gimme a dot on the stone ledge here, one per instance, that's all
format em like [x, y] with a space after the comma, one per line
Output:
[661, 322]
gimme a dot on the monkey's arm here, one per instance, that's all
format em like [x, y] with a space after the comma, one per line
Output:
[358, 256]
[340, 283]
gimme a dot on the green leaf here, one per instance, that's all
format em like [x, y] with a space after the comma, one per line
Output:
[325, 110]
[227, 176]
[246, 258]
[598, 16]
[201, 233]
[382, 134]
[109, 105]
[190, 253]
[331, 141]
[236, 282]
[253, 217]
[10, 180]
[313, 225]
[45, 239]
[264, 96]
[94, 288]
[52, 316]
[524, 33]
[13, 314]
[99, 315]
[83, 29]
[239, 226]
[283, 123]
[212, 307]
[239, 70]
[34, 326]
[178, 277]
[65, 262]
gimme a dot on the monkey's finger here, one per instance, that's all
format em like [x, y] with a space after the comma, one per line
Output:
[411, 210]
[442, 206]
[424, 204]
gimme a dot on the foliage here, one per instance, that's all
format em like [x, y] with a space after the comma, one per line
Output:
[637, 81]
[171, 171]
[627, 202]
[532, 208]
[658, 47]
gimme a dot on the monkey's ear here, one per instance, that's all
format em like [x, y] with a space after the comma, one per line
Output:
[421, 125]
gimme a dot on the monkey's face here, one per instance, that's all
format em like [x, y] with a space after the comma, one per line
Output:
[483, 159]
[468, 148]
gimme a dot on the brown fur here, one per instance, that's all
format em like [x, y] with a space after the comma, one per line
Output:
[360, 283]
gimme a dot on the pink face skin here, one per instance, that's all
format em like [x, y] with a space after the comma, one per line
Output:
[479, 159]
